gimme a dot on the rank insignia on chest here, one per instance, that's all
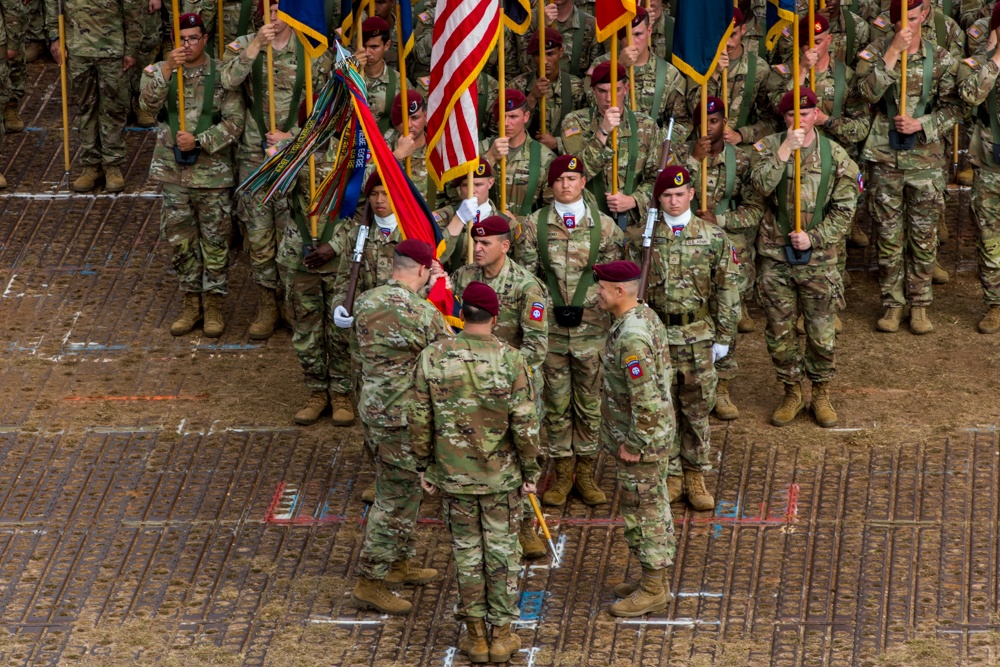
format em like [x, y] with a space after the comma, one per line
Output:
[569, 220]
[537, 311]
[634, 367]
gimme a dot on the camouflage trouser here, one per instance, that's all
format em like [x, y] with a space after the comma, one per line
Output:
[322, 347]
[906, 205]
[645, 508]
[572, 395]
[34, 30]
[391, 520]
[986, 209]
[16, 17]
[4, 90]
[102, 97]
[197, 224]
[487, 554]
[261, 228]
[819, 293]
[693, 392]
[149, 49]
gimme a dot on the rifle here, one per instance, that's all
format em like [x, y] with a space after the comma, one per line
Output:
[651, 215]
[359, 253]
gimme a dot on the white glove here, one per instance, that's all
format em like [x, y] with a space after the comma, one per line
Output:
[467, 210]
[342, 318]
[719, 351]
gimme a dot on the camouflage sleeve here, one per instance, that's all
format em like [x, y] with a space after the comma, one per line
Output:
[343, 277]
[51, 17]
[218, 137]
[526, 243]
[651, 146]
[778, 79]
[523, 419]
[15, 18]
[976, 38]
[132, 14]
[873, 77]
[842, 202]
[236, 64]
[748, 213]
[612, 241]
[971, 11]
[534, 329]
[543, 186]
[3, 38]
[855, 120]
[948, 108]
[573, 139]
[766, 121]
[153, 89]
[644, 395]
[976, 79]
[596, 154]
[434, 324]
[766, 169]
[956, 39]
[420, 417]
[677, 108]
[726, 301]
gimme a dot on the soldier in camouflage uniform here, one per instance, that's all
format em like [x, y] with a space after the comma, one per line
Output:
[102, 43]
[413, 146]
[196, 216]
[848, 34]
[977, 37]
[907, 192]
[637, 423]
[563, 92]
[521, 321]
[527, 160]
[567, 239]
[694, 288]
[151, 28]
[587, 133]
[381, 80]
[474, 429]
[244, 70]
[977, 85]
[830, 182]
[733, 206]
[935, 27]
[392, 325]
[579, 37]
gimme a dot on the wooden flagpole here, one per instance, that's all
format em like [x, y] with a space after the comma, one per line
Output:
[312, 158]
[181, 125]
[222, 28]
[270, 77]
[502, 71]
[62, 83]
[795, 102]
[402, 83]
[631, 68]
[812, 43]
[614, 103]
[542, 124]
[902, 67]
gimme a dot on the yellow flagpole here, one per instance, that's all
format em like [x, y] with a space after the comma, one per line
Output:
[402, 82]
[62, 83]
[812, 43]
[501, 70]
[469, 252]
[631, 70]
[222, 28]
[614, 103]
[312, 158]
[270, 72]
[180, 70]
[358, 36]
[798, 154]
[704, 160]
[542, 124]
[902, 76]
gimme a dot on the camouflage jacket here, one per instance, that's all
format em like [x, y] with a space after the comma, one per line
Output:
[942, 111]
[521, 322]
[579, 136]
[937, 28]
[473, 420]
[848, 40]
[636, 408]
[418, 163]
[214, 168]
[565, 96]
[392, 326]
[579, 35]
[520, 169]
[376, 262]
[977, 80]
[970, 11]
[672, 102]
[696, 272]
[96, 28]
[760, 120]
[292, 241]
[382, 90]
[977, 37]
[843, 188]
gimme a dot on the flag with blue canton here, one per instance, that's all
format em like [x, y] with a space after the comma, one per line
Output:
[780, 13]
[308, 19]
[517, 15]
[701, 29]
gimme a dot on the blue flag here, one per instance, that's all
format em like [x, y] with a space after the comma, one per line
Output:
[701, 29]
[780, 13]
[517, 15]
[405, 27]
[308, 19]
[350, 18]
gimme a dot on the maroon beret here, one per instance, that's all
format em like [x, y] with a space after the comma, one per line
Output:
[376, 26]
[416, 101]
[715, 106]
[482, 296]
[373, 181]
[191, 20]
[896, 9]
[737, 17]
[602, 73]
[807, 100]
[512, 99]
[553, 40]
[484, 170]
[672, 177]
[995, 18]
[491, 226]
[820, 25]
[416, 250]
[562, 164]
[637, 19]
[620, 271]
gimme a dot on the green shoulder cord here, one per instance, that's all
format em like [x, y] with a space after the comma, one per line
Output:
[257, 86]
[726, 201]
[825, 166]
[246, 6]
[940, 30]
[207, 103]
[587, 279]
[660, 72]
[749, 83]
[892, 109]
[534, 166]
[385, 121]
[300, 223]
[578, 34]
[839, 87]
[600, 188]
[851, 31]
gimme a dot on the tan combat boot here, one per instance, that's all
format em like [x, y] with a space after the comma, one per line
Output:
[113, 179]
[368, 495]
[531, 544]
[675, 488]
[919, 322]
[556, 495]
[404, 572]
[190, 315]
[791, 405]
[625, 589]
[698, 496]
[652, 595]
[87, 181]
[942, 230]
[800, 325]
[11, 119]
[964, 177]
[725, 409]
[889, 322]
[214, 324]
[343, 409]
[314, 408]
[373, 594]
[838, 326]
[3, 182]
[585, 484]
[825, 415]
[33, 50]
[504, 643]
[858, 238]
[990, 324]
[267, 314]
[939, 276]
[473, 642]
[144, 118]
[746, 323]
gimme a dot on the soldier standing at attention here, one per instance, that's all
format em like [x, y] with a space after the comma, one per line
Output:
[381, 80]
[474, 428]
[521, 321]
[393, 324]
[572, 236]
[195, 167]
[102, 43]
[830, 188]
[637, 425]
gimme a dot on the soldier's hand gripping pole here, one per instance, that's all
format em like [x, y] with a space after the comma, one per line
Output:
[62, 83]
[356, 258]
[651, 215]
[792, 254]
[181, 123]
[541, 522]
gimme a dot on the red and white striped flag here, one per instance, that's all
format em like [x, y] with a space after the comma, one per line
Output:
[465, 32]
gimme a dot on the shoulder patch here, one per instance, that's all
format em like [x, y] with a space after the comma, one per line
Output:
[571, 131]
[634, 367]
[971, 62]
[880, 23]
[234, 47]
[537, 311]
[589, 72]
[865, 54]
[437, 216]
[150, 70]
[425, 17]
[425, 81]
[975, 32]
[782, 69]
[759, 146]
[787, 32]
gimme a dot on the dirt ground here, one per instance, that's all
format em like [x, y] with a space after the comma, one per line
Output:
[158, 507]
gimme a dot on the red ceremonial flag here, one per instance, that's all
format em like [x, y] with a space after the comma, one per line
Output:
[465, 32]
[611, 16]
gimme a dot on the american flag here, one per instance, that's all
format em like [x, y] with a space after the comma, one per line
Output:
[465, 32]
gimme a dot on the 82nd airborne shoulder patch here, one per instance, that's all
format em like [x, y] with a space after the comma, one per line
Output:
[537, 311]
[634, 367]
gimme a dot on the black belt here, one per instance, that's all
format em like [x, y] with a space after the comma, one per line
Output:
[681, 319]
